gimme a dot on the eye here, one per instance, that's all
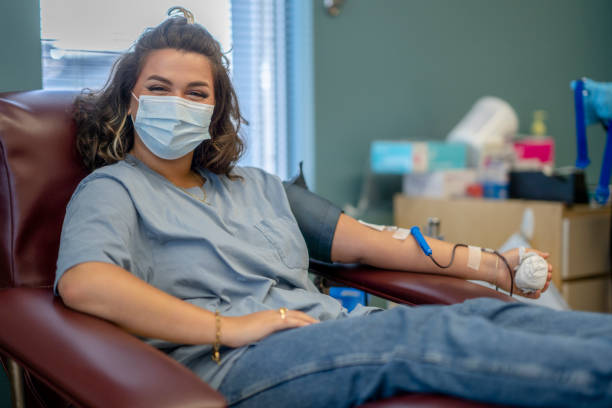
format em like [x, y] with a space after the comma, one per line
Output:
[156, 88]
[198, 94]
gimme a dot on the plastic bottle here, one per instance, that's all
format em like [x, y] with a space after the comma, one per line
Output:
[538, 126]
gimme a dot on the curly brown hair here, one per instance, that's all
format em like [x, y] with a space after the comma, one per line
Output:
[104, 133]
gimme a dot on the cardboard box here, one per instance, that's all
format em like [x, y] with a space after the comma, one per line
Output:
[401, 157]
[585, 245]
[577, 237]
[592, 294]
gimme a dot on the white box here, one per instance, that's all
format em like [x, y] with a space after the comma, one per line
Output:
[439, 184]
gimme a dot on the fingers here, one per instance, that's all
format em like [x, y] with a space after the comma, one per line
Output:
[305, 317]
[295, 318]
[541, 253]
[241, 330]
[531, 295]
[548, 279]
[287, 319]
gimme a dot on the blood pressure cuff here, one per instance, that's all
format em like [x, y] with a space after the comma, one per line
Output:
[316, 217]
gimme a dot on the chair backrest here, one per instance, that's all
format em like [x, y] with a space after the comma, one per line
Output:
[39, 170]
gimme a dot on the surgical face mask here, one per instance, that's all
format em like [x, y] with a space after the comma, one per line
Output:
[171, 126]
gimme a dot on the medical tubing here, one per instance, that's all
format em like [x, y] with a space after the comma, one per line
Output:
[493, 252]
[509, 271]
[582, 161]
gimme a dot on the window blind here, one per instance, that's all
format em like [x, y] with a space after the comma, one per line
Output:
[259, 76]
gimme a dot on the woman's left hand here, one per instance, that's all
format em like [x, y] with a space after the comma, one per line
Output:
[503, 278]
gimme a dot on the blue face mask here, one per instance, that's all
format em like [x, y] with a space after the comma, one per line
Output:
[171, 126]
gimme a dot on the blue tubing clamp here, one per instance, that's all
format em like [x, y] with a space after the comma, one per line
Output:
[416, 233]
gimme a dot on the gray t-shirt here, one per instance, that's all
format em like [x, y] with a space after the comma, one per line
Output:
[240, 252]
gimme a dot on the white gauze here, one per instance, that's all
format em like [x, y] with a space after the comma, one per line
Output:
[531, 273]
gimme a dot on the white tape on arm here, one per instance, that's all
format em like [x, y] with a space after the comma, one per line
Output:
[378, 227]
[401, 234]
[474, 255]
[373, 226]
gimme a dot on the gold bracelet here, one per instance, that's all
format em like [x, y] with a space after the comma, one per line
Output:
[216, 356]
[492, 274]
[496, 274]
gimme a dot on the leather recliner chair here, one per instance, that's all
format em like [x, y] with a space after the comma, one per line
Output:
[56, 356]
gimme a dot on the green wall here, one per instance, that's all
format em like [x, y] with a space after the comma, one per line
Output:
[20, 69]
[394, 69]
[20, 58]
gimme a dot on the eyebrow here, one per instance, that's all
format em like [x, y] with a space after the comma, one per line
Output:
[168, 82]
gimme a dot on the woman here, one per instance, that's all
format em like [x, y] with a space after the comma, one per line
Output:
[173, 242]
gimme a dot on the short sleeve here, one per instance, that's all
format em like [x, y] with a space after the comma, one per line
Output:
[100, 219]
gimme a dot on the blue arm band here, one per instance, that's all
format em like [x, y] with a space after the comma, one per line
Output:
[317, 219]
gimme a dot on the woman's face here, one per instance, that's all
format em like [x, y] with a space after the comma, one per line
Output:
[172, 72]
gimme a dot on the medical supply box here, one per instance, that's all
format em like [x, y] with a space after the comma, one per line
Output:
[577, 237]
[534, 153]
[402, 157]
[440, 183]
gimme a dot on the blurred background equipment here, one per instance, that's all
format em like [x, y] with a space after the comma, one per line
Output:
[593, 104]
[490, 122]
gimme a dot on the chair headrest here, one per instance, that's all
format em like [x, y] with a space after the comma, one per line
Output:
[39, 170]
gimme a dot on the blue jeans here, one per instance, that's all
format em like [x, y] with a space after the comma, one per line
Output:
[482, 349]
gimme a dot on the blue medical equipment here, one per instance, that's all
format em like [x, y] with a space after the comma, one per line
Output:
[593, 103]
[416, 233]
[349, 297]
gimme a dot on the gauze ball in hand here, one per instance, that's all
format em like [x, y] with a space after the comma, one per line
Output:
[531, 273]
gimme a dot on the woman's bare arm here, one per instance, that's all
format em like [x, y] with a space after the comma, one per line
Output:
[112, 293]
[355, 242]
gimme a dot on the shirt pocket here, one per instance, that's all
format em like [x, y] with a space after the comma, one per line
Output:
[284, 235]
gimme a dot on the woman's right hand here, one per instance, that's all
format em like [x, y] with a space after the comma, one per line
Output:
[513, 258]
[238, 331]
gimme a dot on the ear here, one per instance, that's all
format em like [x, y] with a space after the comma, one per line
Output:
[129, 111]
[130, 104]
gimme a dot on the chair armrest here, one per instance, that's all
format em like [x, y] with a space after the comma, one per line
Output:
[405, 287]
[90, 361]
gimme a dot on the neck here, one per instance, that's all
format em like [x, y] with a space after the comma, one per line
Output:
[177, 171]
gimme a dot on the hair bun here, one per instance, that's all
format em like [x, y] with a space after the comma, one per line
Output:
[181, 11]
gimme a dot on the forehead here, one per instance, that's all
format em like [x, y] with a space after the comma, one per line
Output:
[176, 64]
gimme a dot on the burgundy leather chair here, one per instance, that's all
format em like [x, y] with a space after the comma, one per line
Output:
[56, 356]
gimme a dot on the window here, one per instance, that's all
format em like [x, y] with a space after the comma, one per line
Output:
[82, 38]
